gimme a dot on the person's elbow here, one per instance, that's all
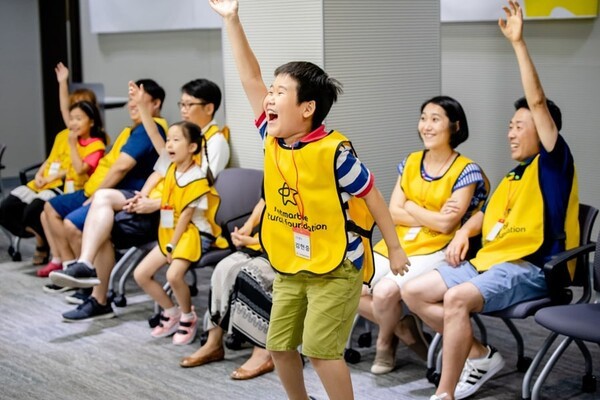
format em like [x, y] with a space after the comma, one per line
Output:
[449, 224]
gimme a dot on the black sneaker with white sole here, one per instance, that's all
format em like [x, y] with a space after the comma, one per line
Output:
[88, 311]
[52, 288]
[79, 296]
[76, 275]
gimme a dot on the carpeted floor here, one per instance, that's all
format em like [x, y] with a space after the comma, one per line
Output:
[42, 357]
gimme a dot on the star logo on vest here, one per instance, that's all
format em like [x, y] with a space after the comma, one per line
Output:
[288, 195]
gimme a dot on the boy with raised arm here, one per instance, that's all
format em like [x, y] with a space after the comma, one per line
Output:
[317, 194]
[531, 216]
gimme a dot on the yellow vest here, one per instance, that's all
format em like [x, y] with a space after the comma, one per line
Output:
[60, 153]
[519, 203]
[430, 195]
[109, 159]
[83, 151]
[179, 197]
[311, 202]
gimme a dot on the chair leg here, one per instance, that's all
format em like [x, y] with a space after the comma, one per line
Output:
[350, 355]
[535, 395]
[522, 361]
[116, 269]
[539, 356]
[434, 361]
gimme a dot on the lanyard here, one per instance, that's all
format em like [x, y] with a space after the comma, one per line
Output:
[423, 192]
[300, 204]
[170, 189]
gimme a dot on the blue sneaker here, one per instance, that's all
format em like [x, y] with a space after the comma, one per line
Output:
[79, 296]
[88, 311]
[76, 275]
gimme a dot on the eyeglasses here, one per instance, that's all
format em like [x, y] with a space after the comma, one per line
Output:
[187, 106]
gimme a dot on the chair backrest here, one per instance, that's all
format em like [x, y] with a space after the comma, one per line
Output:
[2, 150]
[240, 190]
[587, 216]
[597, 265]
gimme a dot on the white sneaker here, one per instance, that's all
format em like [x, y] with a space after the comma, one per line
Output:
[476, 372]
[442, 396]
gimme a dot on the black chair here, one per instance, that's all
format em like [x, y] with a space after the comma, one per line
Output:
[25, 175]
[2, 167]
[578, 322]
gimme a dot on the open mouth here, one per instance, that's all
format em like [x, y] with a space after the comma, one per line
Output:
[271, 116]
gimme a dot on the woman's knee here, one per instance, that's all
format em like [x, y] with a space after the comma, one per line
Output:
[385, 293]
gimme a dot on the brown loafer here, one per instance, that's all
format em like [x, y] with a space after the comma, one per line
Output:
[189, 362]
[241, 374]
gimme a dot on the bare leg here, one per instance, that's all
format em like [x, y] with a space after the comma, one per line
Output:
[335, 376]
[288, 365]
[424, 295]
[176, 278]
[365, 305]
[104, 263]
[73, 235]
[57, 232]
[259, 357]
[214, 342]
[387, 310]
[100, 220]
[459, 303]
[49, 237]
[144, 276]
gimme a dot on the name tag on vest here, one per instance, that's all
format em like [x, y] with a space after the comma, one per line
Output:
[302, 243]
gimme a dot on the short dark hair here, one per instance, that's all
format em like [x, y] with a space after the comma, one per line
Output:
[553, 108]
[205, 90]
[456, 115]
[153, 89]
[90, 109]
[313, 84]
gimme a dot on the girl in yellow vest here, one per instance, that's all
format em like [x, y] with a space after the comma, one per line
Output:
[436, 190]
[74, 155]
[188, 205]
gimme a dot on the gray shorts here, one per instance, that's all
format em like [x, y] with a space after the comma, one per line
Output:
[502, 285]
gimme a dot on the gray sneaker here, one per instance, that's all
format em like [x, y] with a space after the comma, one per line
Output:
[88, 311]
[76, 275]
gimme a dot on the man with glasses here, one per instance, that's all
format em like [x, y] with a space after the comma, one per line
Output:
[134, 221]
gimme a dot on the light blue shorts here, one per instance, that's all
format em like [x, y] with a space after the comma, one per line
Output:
[502, 285]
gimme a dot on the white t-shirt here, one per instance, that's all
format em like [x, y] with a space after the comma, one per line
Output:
[183, 178]
[218, 152]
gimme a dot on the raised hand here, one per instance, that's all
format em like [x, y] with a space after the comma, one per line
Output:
[136, 93]
[225, 8]
[512, 27]
[62, 72]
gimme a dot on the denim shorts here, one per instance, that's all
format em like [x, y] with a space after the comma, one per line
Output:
[67, 203]
[502, 285]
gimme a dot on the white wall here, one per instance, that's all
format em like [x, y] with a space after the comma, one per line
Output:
[20, 86]
[480, 70]
[171, 58]
[385, 53]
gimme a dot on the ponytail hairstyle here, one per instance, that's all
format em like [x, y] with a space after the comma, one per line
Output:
[193, 134]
